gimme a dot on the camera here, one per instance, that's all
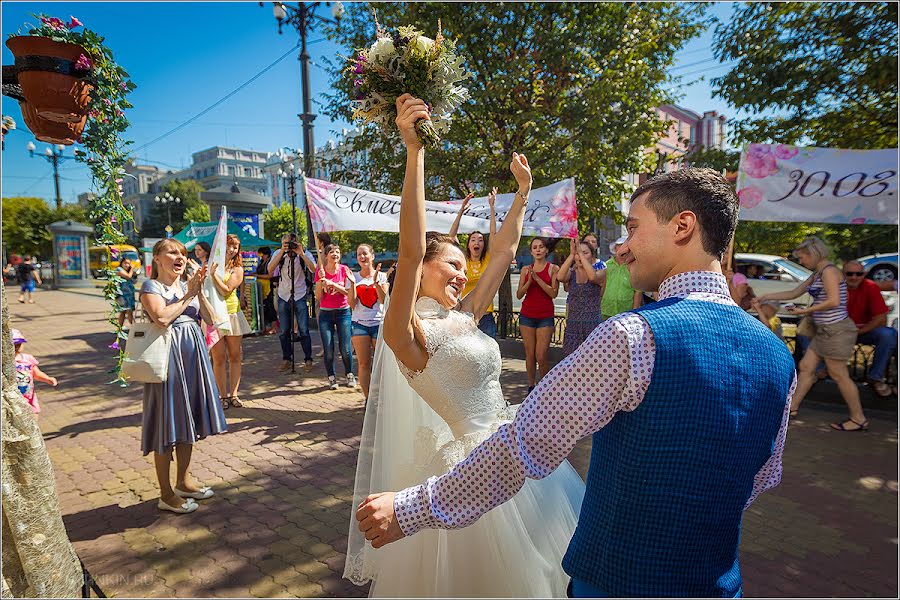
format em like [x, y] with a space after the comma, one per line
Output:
[292, 245]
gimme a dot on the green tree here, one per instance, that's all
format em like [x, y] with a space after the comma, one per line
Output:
[190, 207]
[572, 85]
[827, 71]
[24, 225]
[25, 222]
[278, 222]
[197, 212]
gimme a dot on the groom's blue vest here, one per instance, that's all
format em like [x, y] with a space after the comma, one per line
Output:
[668, 481]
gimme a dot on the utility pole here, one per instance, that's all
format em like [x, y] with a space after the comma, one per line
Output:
[53, 155]
[303, 18]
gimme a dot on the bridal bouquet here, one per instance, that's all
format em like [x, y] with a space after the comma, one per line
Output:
[407, 62]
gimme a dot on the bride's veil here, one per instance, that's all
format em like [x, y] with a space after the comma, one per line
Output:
[400, 435]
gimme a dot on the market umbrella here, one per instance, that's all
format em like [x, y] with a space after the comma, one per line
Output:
[205, 231]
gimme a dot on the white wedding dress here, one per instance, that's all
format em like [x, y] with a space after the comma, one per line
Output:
[454, 404]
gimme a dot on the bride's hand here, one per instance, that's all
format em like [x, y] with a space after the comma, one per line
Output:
[410, 110]
[377, 519]
[521, 170]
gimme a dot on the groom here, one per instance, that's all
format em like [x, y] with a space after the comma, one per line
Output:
[687, 400]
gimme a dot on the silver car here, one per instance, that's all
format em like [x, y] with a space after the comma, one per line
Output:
[771, 274]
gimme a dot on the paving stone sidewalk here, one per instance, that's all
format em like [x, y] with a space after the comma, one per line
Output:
[283, 476]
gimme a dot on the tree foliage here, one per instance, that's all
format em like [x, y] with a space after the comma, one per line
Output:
[278, 222]
[191, 208]
[25, 222]
[571, 85]
[827, 70]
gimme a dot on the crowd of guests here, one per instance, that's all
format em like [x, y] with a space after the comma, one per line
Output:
[204, 371]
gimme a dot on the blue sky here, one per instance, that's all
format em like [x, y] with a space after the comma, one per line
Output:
[185, 56]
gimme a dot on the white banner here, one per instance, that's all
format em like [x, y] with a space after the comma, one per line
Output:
[551, 210]
[217, 255]
[783, 183]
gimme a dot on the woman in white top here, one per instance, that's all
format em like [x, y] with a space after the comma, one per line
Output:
[835, 331]
[368, 311]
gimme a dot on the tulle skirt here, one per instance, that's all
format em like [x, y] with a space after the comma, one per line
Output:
[513, 551]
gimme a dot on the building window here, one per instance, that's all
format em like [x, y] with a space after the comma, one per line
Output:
[231, 170]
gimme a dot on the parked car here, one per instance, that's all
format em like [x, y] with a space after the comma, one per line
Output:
[770, 274]
[880, 267]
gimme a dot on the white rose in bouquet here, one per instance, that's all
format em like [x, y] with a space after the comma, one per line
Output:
[407, 62]
[424, 44]
[382, 49]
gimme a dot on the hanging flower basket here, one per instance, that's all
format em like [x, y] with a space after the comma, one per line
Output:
[50, 77]
[52, 132]
[88, 89]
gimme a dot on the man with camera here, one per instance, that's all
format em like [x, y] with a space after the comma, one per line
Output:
[288, 263]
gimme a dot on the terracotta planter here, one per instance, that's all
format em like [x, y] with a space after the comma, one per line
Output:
[52, 132]
[55, 96]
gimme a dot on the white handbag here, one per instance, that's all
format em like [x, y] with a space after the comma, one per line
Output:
[147, 352]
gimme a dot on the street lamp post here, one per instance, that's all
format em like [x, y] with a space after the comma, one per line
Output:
[303, 17]
[53, 155]
[168, 200]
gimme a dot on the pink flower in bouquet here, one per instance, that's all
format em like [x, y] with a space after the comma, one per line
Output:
[751, 197]
[784, 152]
[73, 23]
[759, 163]
[84, 63]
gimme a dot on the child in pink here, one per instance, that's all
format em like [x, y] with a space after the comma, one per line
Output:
[27, 372]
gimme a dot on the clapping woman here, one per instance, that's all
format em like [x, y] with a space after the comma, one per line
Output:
[185, 408]
[227, 352]
[336, 293]
[368, 311]
[585, 288]
[538, 286]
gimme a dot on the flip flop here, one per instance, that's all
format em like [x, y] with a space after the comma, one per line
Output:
[864, 426]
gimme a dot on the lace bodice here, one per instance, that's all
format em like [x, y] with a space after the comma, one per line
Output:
[461, 381]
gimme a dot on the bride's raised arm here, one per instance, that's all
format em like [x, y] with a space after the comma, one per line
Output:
[503, 244]
[402, 332]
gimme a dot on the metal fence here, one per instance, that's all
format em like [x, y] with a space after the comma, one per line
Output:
[859, 365]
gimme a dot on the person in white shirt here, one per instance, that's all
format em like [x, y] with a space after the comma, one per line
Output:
[368, 311]
[288, 263]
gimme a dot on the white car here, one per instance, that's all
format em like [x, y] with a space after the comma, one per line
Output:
[770, 274]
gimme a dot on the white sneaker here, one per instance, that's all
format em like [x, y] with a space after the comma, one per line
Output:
[351, 381]
[332, 382]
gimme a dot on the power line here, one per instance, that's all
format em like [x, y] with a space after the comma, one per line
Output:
[37, 181]
[694, 64]
[707, 70]
[217, 103]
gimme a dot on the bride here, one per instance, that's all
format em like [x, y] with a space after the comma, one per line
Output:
[435, 395]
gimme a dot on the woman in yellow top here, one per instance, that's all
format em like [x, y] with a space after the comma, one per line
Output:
[230, 344]
[477, 259]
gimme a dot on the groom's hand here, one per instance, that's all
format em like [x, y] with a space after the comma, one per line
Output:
[377, 520]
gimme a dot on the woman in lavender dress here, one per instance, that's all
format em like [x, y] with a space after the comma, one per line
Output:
[186, 407]
[585, 288]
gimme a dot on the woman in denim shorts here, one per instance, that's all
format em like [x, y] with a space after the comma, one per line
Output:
[539, 285]
[368, 311]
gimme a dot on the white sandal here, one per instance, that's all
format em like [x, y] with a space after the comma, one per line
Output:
[188, 506]
[204, 493]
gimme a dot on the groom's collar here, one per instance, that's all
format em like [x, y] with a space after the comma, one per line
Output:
[694, 282]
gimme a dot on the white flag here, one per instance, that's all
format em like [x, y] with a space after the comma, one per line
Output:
[217, 256]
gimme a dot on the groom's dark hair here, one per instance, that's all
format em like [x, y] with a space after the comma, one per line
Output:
[704, 192]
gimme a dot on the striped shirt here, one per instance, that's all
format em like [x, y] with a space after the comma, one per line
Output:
[819, 295]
